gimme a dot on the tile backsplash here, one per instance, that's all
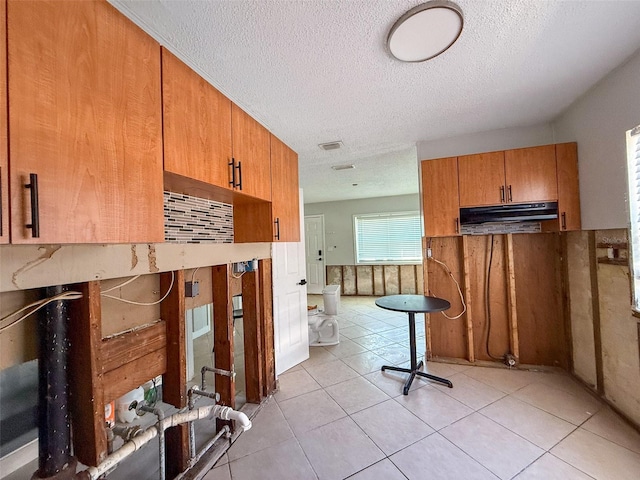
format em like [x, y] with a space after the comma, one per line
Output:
[190, 219]
[497, 228]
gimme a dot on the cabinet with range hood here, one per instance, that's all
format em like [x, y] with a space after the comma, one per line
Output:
[508, 178]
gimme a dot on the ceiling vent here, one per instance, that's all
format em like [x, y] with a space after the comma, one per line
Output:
[343, 167]
[331, 145]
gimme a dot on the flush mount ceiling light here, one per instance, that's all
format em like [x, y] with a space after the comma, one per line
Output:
[425, 31]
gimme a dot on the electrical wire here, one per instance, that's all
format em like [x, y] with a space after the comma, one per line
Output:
[70, 295]
[193, 275]
[144, 304]
[120, 285]
[487, 291]
[464, 305]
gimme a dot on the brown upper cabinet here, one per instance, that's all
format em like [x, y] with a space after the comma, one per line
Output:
[568, 188]
[538, 174]
[251, 155]
[4, 163]
[513, 176]
[85, 118]
[285, 200]
[440, 205]
[197, 125]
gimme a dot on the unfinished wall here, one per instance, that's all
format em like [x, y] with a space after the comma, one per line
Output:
[581, 307]
[605, 337]
[338, 222]
[25, 268]
[376, 280]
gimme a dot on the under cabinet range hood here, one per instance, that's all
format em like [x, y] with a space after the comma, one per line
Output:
[520, 212]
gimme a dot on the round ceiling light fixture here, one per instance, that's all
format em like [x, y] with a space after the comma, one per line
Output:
[425, 31]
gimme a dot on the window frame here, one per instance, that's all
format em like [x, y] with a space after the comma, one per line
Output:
[633, 185]
[411, 213]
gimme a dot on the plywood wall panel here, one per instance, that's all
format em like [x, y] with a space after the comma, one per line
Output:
[538, 276]
[479, 255]
[392, 279]
[447, 336]
[364, 279]
[349, 286]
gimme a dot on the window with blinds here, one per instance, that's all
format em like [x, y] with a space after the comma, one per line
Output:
[633, 170]
[386, 238]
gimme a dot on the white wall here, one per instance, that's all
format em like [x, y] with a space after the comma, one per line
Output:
[338, 221]
[504, 139]
[598, 122]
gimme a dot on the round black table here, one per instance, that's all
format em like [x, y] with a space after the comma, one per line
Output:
[413, 304]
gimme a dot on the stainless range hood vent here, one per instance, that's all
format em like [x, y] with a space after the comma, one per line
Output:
[521, 212]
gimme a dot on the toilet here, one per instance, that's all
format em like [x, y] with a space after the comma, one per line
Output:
[323, 330]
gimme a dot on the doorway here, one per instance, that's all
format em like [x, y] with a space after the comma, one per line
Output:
[315, 253]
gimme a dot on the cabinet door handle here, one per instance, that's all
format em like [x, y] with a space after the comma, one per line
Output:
[510, 196]
[239, 167]
[501, 193]
[35, 208]
[564, 220]
[457, 225]
[232, 164]
[277, 222]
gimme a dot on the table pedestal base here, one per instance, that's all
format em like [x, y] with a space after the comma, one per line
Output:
[413, 373]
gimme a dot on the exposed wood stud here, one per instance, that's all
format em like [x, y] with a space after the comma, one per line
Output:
[252, 336]
[266, 316]
[471, 355]
[223, 332]
[86, 389]
[511, 298]
[174, 388]
[595, 304]
[566, 303]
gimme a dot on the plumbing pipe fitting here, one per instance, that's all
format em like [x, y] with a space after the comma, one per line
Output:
[218, 371]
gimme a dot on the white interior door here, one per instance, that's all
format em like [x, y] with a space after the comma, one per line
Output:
[314, 248]
[291, 332]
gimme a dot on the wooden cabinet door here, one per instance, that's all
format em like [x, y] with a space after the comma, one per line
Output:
[285, 196]
[440, 202]
[252, 153]
[481, 179]
[531, 174]
[4, 164]
[85, 114]
[196, 125]
[568, 188]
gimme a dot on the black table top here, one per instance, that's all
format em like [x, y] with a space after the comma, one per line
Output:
[412, 303]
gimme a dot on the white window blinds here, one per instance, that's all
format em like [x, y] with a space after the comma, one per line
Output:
[388, 238]
[633, 170]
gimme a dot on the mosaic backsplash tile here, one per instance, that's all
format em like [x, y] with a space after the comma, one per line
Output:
[190, 219]
[497, 228]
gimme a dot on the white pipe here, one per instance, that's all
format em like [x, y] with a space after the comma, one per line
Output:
[222, 412]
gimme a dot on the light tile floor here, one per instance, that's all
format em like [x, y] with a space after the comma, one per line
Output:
[337, 416]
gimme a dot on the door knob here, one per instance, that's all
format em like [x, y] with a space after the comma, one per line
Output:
[320, 259]
[302, 282]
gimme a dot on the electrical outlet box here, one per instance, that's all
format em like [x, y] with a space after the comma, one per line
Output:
[191, 289]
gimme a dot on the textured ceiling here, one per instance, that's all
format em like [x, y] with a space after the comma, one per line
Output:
[317, 71]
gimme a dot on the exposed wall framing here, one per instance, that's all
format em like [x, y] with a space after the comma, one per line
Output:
[522, 305]
[378, 280]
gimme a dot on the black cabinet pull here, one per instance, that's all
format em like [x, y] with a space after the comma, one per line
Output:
[501, 193]
[457, 225]
[239, 167]
[232, 164]
[510, 196]
[35, 208]
[277, 222]
[564, 220]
